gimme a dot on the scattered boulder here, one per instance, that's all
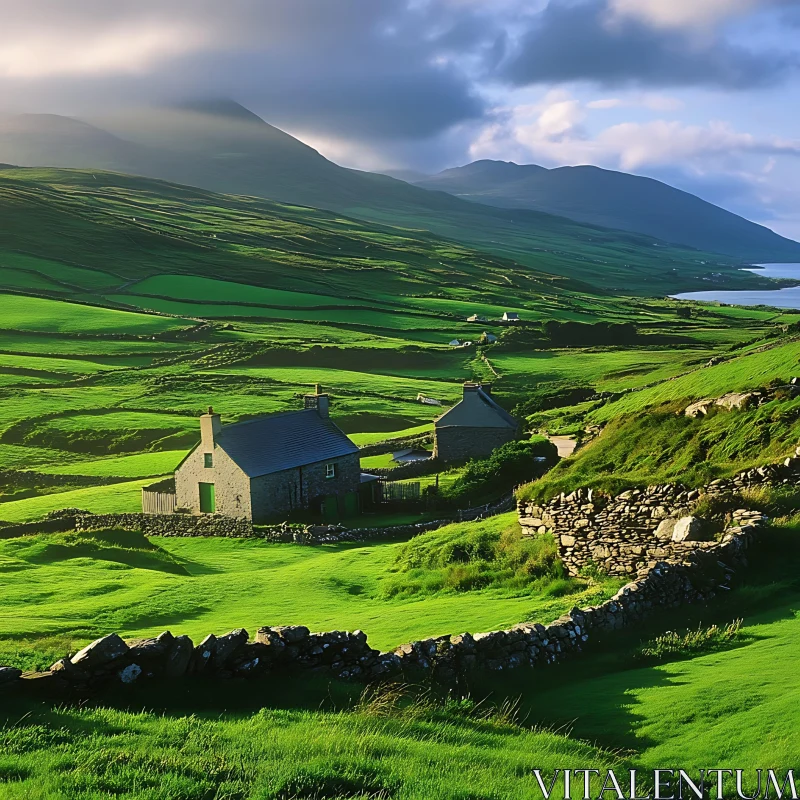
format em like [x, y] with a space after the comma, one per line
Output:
[9, 675]
[689, 529]
[736, 400]
[698, 409]
[227, 646]
[178, 657]
[665, 529]
[100, 652]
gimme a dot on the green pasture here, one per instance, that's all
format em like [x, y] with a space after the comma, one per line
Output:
[608, 369]
[386, 320]
[14, 456]
[47, 365]
[58, 274]
[382, 385]
[26, 343]
[15, 280]
[65, 585]
[140, 465]
[185, 287]
[41, 314]
[117, 498]
[362, 439]
[419, 753]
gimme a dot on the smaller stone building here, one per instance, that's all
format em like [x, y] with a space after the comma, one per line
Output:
[474, 427]
[266, 468]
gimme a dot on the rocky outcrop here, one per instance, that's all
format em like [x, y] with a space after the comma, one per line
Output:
[733, 400]
[739, 400]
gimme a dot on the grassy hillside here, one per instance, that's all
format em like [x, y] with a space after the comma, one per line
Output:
[194, 147]
[665, 446]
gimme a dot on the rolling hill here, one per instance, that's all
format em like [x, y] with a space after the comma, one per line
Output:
[615, 200]
[223, 147]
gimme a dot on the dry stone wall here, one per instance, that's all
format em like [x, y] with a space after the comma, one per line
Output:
[634, 530]
[222, 526]
[347, 655]
[631, 529]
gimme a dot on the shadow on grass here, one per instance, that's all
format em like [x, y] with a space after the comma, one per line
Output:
[128, 548]
[593, 696]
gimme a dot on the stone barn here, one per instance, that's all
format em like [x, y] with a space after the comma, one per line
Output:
[474, 427]
[266, 468]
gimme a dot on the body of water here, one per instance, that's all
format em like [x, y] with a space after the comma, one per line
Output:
[780, 298]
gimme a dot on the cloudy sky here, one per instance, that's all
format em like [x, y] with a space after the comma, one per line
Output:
[704, 94]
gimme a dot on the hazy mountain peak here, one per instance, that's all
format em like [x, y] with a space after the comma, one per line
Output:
[219, 107]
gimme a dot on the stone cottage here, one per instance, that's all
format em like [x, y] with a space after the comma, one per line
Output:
[473, 427]
[268, 467]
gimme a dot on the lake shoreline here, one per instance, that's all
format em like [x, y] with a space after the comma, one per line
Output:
[786, 295]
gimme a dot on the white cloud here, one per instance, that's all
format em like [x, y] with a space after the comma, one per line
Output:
[669, 142]
[682, 13]
[125, 49]
[650, 101]
[553, 132]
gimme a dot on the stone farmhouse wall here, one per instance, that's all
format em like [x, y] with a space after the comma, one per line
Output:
[231, 485]
[283, 492]
[348, 655]
[460, 443]
[634, 530]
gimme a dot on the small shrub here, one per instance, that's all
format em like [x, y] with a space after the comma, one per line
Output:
[513, 463]
[692, 643]
[489, 554]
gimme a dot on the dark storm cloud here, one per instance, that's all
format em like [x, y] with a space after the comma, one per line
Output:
[572, 41]
[375, 69]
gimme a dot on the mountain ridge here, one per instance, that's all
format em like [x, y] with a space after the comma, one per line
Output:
[203, 147]
[618, 200]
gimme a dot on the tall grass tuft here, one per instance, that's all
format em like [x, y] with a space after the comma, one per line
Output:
[672, 645]
[489, 554]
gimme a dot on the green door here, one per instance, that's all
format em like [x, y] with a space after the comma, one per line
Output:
[330, 508]
[208, 503]
[351, 504]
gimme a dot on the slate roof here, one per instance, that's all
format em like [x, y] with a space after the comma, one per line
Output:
[477, 410]
[283, 441]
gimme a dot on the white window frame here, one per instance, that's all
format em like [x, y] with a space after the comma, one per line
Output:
[330, 470]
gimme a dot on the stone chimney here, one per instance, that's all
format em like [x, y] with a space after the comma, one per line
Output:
[470, 387]
[321, 402]
[210, 428]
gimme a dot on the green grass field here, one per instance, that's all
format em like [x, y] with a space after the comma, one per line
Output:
[39, 314]
[94, 387]
[82, 586]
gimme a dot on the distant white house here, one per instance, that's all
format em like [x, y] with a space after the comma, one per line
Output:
[476, 318]
[510, 316]
[488, 338]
